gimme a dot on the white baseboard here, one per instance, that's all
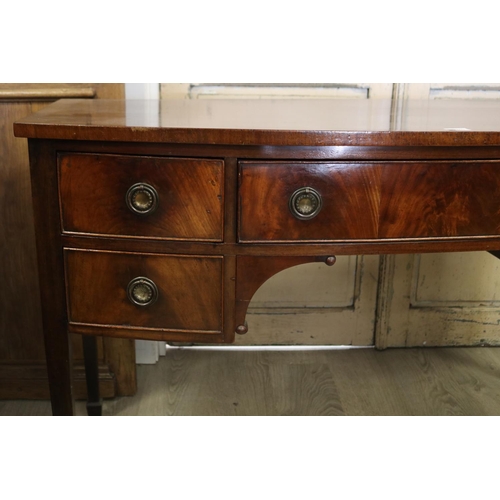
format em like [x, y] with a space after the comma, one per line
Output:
[148, 352]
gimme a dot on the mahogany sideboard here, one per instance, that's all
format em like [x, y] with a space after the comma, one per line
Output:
[161, 220]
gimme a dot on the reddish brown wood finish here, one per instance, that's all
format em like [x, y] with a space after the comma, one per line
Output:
[189, 291]
[252, 272]
[93, 190]
[419, 190]
[19, 379]
[440, 199]
[147, 334]
[22, 353]
[58, 348]
[350, 194]
[371, 200]
[266, 122]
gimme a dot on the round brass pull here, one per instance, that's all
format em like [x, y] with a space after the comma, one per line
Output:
[142, 291]
[305, 203]
[142, 198]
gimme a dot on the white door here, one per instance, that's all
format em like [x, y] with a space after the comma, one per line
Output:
[440, 299]
[340, 304]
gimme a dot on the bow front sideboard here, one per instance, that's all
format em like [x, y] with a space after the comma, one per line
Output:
[161, 220]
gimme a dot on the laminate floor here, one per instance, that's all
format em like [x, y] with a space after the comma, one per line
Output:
[427, 381]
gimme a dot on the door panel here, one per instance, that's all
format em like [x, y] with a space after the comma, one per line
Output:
[314, 277]
[477, 282]
[423, 309]
[453, 90]
[276, 90]
[316, 304]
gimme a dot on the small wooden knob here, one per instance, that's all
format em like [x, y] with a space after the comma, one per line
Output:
[242, 329]
[330, 260]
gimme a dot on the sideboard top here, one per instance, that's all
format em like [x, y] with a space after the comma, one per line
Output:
[273, 122]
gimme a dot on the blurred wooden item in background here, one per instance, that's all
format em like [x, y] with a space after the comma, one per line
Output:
[22, 357]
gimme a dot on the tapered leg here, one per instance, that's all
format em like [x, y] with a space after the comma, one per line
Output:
[45, 189]
[59, 369]
[94, 402]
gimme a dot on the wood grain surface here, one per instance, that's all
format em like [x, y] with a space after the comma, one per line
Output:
[440, 199]
[371, 200]
[189, 291]
[46, 92]
[22, 353]
[21, 336]
[268, 122]
[429, 381]
[377, 203]
[350, 193]
[190, 193]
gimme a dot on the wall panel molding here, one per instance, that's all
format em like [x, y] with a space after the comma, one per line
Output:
[46, 92]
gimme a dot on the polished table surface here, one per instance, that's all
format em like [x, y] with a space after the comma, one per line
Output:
[318, 122]
[160, 220]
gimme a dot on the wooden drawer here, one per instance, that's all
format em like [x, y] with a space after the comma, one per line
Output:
[440, 199]
[188, 194]
[349, 196]
[390, 200]
[188, 298]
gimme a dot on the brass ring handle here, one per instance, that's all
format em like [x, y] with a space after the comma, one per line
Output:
[142, 291]
[305, 203]
[142, 198]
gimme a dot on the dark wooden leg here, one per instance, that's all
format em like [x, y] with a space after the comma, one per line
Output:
[45, 189]
[60, 370]
[94, 402]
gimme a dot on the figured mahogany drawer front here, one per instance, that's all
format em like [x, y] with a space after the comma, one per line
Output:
[368, 200]
[156, 197]
[127, 290]
[348, 198]
[440, 199]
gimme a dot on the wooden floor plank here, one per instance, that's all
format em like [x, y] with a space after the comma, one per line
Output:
[426, 381]
[366, 383]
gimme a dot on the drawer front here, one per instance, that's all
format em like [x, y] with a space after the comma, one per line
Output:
[126, 290]
[139, 196]
[349, 198]
[391, 200]
[440, 199]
